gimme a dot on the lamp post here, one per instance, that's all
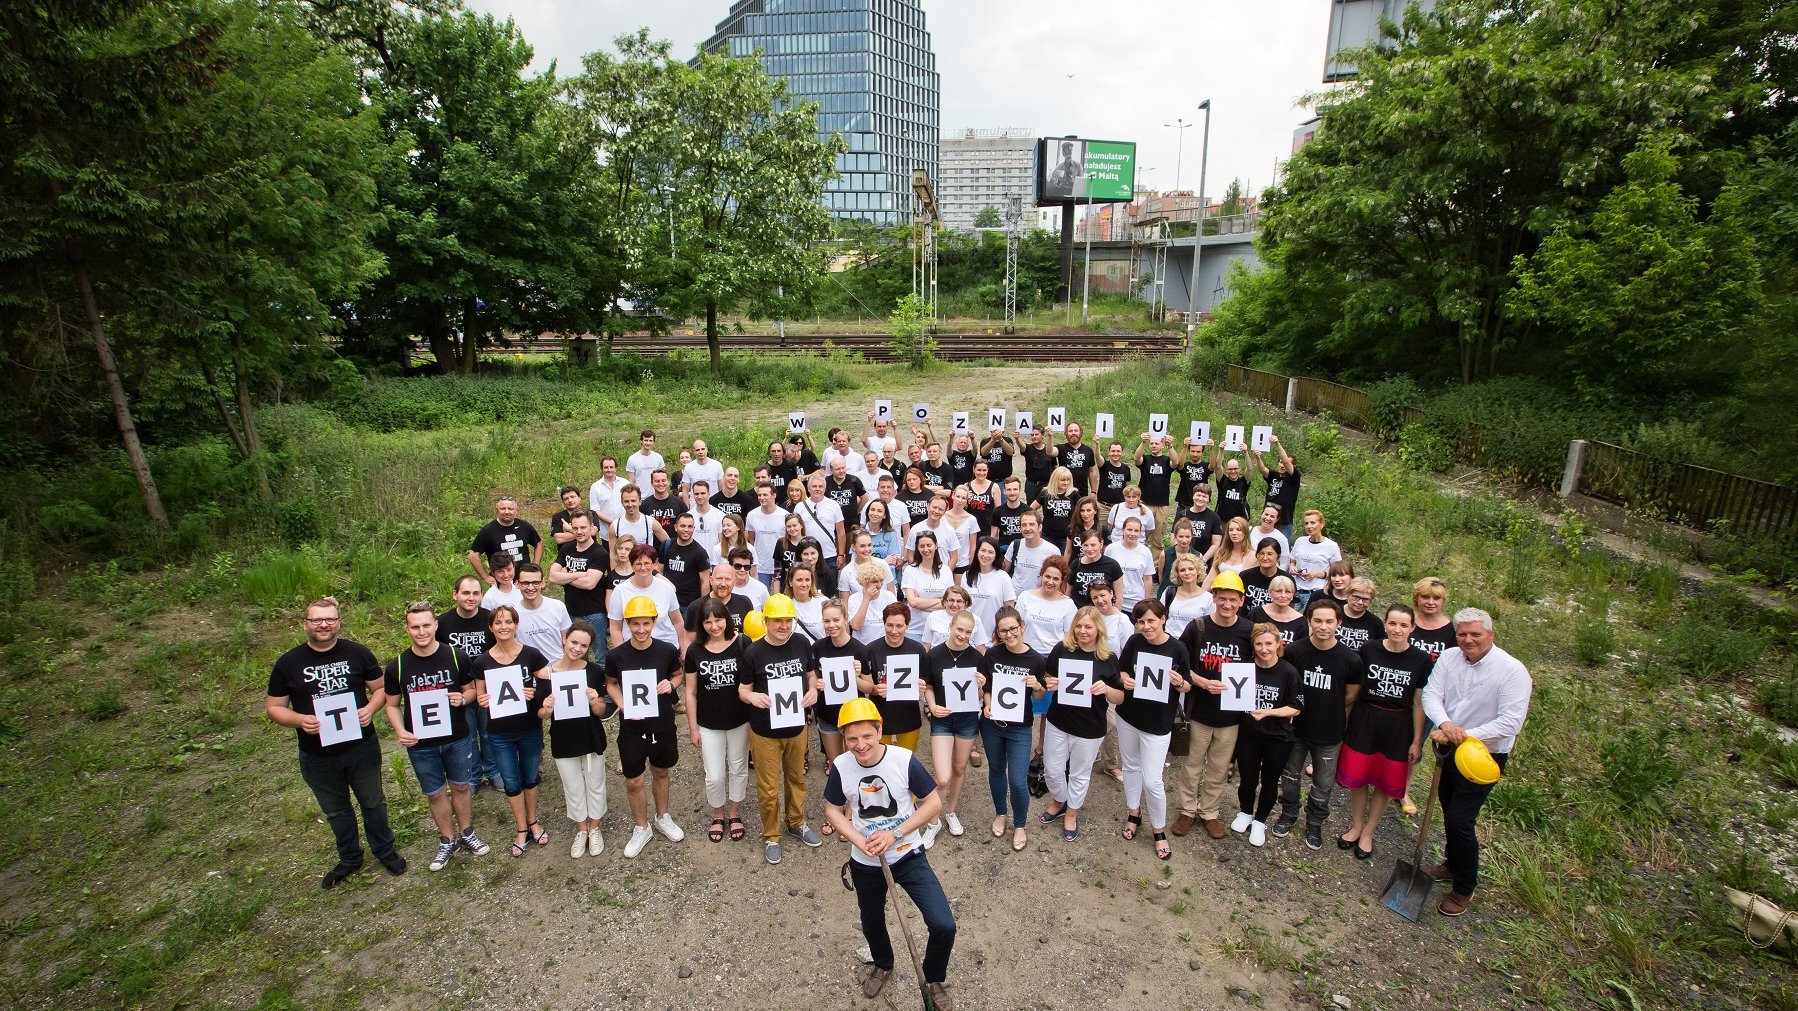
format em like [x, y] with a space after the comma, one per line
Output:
[1086, 270]
[1180, 150]
[1198, 225]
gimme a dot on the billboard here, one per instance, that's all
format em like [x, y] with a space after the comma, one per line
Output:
[1084, 171]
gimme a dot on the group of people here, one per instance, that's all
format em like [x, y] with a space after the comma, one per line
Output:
[1035, 605]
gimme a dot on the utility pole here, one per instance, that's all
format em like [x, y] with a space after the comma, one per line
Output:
[1198, 227]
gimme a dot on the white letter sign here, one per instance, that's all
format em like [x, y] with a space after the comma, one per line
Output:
[1152, 676]
[1157, 426]
[1076, 685]
[337, 721]
[1103, 426]
[639, 690]
[1232, 438]
[883, 410]
[1201, 432]
[795, 422]
[839, 679]
[569, 688]
[505, 691]
[1261, 438]
[430, 713]
[784, 696]
[1026, 422]
[902, 679]
[961, 690]
[1008, 694]
[958, 422]
[920, 412]
[1239, 688]
[1058, 419]
[995, 419]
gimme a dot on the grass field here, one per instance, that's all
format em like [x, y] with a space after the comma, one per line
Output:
[161, 851]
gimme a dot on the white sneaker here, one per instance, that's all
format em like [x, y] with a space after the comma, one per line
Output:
[664, 824]
[931, 831]
[640, 837]
[1258, 833]
[596, 843]
[578, 848]
[954, 823]
[1242, 822]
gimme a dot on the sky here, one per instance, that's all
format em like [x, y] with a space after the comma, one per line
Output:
[1109, 69]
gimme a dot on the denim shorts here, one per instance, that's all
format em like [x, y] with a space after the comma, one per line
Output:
[519, 757]
[963, 726]
[437, 763]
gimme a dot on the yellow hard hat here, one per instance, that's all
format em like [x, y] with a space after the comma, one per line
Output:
[1227, 580]
[857, 710]
[640, 607]
[754, 627]
[779, 606]
[1475, 762]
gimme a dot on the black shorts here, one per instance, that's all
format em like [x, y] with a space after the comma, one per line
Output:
[644, 744]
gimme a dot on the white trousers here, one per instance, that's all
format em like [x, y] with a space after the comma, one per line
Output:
[726, 757]
[1068, 765]
[583, 786]
[1142, 757]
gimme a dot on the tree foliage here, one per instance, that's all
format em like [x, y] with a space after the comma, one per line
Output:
[988, 217]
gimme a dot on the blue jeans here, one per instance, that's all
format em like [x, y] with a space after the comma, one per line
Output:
[333, 778]
[913, 874]
[442, 763]
[1008, 768]
[519, 756]
[487, 767]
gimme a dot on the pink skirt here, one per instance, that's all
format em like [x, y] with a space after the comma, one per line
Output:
[1357, 769]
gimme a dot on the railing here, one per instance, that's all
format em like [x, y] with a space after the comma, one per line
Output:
[1696, 496]
[1260, 385]
[1344, 403]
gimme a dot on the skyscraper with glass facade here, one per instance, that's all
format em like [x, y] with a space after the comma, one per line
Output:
[869, 66]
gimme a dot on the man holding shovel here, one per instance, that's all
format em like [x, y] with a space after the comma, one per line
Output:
[877, 797]
[1479, 692]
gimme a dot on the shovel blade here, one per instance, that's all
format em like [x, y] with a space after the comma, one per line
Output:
[1408, 891]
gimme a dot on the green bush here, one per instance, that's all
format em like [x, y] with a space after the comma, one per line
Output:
[1634, 765]
[286, 579]
[1594, 640]
[1322, 439]
[1388, 400]
[102, 704]
[1357, 520]
[1423, 448]
[1780, 696]
[299, 520]
[1207, 366]
[1525, 544]
[1517, 427]
[1699, 645]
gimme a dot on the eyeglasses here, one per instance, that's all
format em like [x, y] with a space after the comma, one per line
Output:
[742, 566]
[323, 621]
[1360, 599]
[531, 585]
[1009, 630]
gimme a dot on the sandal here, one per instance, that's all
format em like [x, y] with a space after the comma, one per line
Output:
[1019, 841]
[522, 844]
[716, 832]
[736, 830]
[999, 822]
[828, 829]
[1131, 824]
[1408, 806]
[539, 836]
[1048, 816]
[1162, 850]
[1070, 834]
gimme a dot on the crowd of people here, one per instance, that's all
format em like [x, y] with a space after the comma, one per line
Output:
[1045, 609]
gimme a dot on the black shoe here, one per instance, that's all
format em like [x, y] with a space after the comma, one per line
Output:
[1314, 837]
[1283, 827]
[336, 874]
[395, 864]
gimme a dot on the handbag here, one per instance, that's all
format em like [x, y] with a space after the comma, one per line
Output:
[1179, 743]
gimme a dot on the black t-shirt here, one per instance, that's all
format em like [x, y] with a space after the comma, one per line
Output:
[1146, 716]
[1079, 462]
[1038, 465]
[894, 466]
[781, 475]
[982, 504]
[847, 495]
[916, 503]
[1232, 498]
[515, 540]
[536, 692]
[941, 658]
[1290, 631]
[737, 505]
[1205, 525]
[1156, 473]
[1393, 679]
[684, 564]
[715, 676]
[1074, 721]
[593, 558]
[1254, 587]
[558, 523]
[579, 737]
[1083, 576]
[1327, 673]
[738, 606]
[664, 510]
[1058, 512]
[822, 649]
[938, 475]
[1432, 640]
[410, 673]
[1277, 687]
[1206, 639]
[998, 461]
[1008, 523]
[1283, 492]
[1196, 471]
[895, 717]
[303, 673]
[1112, 482]
[469, 637]
[961, 466]
[764, 660]
[1029, 663]
[1357, 633]
[659, 657]
[612, 578]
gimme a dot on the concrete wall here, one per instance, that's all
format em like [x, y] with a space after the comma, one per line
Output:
[1111, 268]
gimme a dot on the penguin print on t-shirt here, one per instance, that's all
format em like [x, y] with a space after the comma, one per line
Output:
[876, 800]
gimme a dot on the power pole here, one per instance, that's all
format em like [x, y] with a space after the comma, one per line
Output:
[1014, 218]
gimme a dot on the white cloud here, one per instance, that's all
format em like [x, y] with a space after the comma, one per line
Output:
[1137, 64]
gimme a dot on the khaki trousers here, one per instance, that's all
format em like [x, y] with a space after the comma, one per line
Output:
[1200, 777]
[777, 758]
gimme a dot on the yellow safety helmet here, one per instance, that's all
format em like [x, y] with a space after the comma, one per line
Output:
[640, 607]
[754, 627]
[1475, 762]
[779, 606]
[857, 710]
[1227, 580]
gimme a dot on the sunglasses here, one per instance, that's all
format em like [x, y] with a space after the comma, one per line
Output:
[742, 566]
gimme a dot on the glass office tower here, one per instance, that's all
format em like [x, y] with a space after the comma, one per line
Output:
[868, 65]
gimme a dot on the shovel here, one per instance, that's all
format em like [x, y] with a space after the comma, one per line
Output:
[917, 964]
[1409, 888]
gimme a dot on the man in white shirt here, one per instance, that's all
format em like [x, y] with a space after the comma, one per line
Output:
[1476, 690]
[541, 620]
[853, 463]
[823, 520]
[701, 468]
[645, 461]
[765, 525]
[878, 437]
[708, 523]
[1270, 527]
[1311, 557]
[602, 496]
[948, 542]
[1027, 554]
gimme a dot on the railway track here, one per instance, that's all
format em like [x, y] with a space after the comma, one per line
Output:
[953, 347]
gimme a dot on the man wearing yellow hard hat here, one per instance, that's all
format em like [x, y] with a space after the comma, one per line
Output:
[1478, 696]
[1218, 638]
[878, 796]
[772, 669]
[643, 678]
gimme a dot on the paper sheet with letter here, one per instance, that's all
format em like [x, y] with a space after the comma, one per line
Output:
[961, 690]
[569, 689]
[902, 679]
[1239, 688]
[505, 691]
[838, 673]
[1152, 678]
[1076, 685]
[430, 711]
[639, 690]
[337, 720]
[784, 697]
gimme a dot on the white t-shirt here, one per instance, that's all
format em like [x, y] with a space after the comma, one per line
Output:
[873, 625]
[879, 444]
[707, 526]
[1137, 563]
[661, 591]
[1118, 629]
[967, 533]
[1257, 536]
[641, 465]
[639, 530]
[821, 519]
[764, 530]
[879, 797]
[1311, 557]
[928, 587]
[496, 596]
[1183, 612]
[711, 472]
[948, 542]
[809, 617]
[848, 582]
[543, 626]
[754, 590]
[602, 498]
[1027, 563]
[990, 591]
[936, 632]
[1121, 512]
[854, 464]
[1045, 621]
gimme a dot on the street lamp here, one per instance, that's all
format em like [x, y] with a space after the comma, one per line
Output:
[1179, 151]
[1086, 270]
[1198, 225]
